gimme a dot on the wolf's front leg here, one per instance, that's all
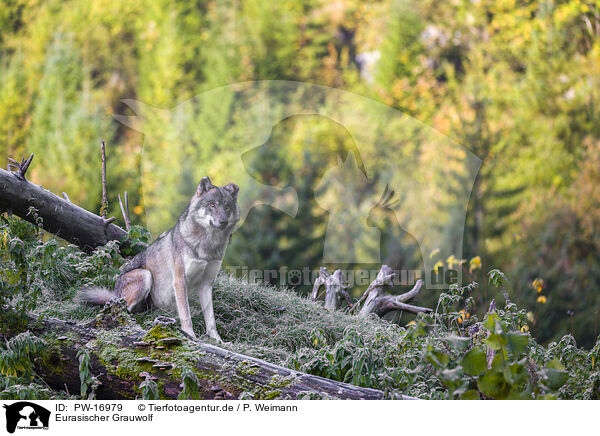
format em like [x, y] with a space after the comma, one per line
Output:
[181, 299]
[206, 299]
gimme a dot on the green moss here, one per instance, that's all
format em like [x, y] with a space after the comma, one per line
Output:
[274, 389]
[269, 395]
[118, 360]
[278, 381]
[161, 331]
[246, 369]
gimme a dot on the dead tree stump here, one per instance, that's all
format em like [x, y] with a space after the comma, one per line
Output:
[376, 300]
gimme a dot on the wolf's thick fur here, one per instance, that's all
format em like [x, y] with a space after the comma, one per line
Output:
[184, 258]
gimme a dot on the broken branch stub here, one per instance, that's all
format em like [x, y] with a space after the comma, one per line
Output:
[335, 289]
[20, 167]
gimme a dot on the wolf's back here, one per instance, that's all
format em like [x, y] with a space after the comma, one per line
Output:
[95, 295]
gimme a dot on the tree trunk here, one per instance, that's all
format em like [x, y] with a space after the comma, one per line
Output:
[59, 216]
[121, 351]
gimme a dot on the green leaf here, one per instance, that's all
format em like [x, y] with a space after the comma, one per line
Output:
[556, 377]
[554, 364]
[496, 278]
[517, 394]
[458, 342]
[451, 375]
[493, 324]
[515, 373]
[518, 342]
[493, 385]
[474, 362]
[471, 394]
[436, 358]
[496, 342]
[452, 378]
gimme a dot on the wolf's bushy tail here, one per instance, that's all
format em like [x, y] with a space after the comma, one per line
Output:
[94, 295]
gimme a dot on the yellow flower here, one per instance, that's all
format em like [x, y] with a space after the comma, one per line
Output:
[538, 284]
[474, 263]
[541, 299]
[411, 323]
[530, 316]
[462, 316]
[138, 210]
[525, 328]
[451, 261]
[437, 266]
[434, 252]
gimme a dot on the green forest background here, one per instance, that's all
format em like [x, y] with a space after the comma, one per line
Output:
[514, 82]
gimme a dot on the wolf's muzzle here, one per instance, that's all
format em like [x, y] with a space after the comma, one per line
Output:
[219, 224]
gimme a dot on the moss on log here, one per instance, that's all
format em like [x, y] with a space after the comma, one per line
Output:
[121, 351]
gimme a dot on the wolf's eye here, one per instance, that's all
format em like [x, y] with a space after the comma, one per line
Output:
[212, 204]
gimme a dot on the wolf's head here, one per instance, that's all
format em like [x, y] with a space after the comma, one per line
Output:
[215, 206]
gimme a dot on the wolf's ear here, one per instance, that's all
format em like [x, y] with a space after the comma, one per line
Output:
[233, 189]
[204, 186]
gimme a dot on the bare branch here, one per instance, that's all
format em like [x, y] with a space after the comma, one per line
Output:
[412, 293]
[104, 207]
[393, 303]
[20, 167]
[125, 211]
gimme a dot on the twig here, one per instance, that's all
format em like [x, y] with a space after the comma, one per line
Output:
[20, 167]
[66, 197]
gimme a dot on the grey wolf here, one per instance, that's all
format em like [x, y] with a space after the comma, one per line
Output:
[183, 259]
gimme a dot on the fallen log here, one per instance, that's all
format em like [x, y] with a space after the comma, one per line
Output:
[58, 215]
[123, 354]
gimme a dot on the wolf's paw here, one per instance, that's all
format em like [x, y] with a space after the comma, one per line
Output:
[191, 334]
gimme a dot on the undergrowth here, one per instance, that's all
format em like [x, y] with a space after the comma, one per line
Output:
[443, 355]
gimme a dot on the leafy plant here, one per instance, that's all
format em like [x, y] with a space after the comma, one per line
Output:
[137, 239]
[16, 357]
[149, 389]
[494, 365]
[190, 382]
[89, 382]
